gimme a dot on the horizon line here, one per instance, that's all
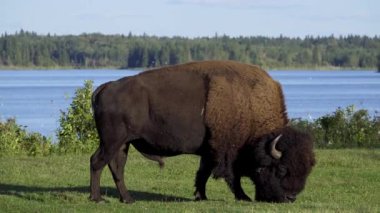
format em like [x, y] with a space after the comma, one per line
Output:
[216, 35]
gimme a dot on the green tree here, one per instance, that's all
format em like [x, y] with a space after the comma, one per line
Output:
[317, 55]
[97, 50]
[77, 132]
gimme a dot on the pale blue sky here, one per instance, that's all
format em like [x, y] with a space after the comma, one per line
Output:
[193, 18]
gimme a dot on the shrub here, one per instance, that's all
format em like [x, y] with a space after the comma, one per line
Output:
[77, 132]
[345, 128]
[15, 140]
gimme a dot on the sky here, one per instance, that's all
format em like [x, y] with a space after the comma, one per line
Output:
[193, 18]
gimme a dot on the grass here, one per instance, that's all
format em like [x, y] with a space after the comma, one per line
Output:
[345, 180]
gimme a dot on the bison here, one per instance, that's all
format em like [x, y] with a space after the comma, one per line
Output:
[230, 114]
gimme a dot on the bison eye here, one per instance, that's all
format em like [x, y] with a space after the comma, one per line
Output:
[282, 171]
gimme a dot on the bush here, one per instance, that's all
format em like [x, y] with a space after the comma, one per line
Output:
[345, 128]
[15, 140]
[77, 132]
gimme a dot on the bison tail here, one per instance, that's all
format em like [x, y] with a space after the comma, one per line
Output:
[95, 94]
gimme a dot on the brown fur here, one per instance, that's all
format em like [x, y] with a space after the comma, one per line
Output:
[241, 107]
[243, 103]
[226, 112]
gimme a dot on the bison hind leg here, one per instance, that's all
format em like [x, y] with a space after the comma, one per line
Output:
[113, 151]
[96, 167]
[116, 166]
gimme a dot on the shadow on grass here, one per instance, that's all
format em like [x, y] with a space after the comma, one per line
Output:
[24, 192]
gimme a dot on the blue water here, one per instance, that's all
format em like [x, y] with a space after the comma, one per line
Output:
[35, 98]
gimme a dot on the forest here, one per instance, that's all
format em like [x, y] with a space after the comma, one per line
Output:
[26, 49]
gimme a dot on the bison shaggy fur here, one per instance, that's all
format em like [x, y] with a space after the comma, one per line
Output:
[230, 114]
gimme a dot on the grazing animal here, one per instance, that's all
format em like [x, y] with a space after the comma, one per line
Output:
[230, 114]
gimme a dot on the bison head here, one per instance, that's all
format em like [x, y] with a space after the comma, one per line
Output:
[283, 160]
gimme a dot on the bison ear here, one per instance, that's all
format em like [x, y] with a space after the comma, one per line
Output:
[276, 154]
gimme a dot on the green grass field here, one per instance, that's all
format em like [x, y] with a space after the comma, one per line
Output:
[342, 181]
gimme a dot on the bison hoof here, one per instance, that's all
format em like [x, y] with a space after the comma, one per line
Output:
[244, 198]
[127, 200]
[98, 200]
[199, 197]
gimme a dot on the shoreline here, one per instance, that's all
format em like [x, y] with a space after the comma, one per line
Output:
[301, 68]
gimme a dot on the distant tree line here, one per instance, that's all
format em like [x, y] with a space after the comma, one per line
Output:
[28, 49]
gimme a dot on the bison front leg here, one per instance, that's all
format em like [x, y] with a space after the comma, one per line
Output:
[204, 172]
[236, 188]
[116, 166]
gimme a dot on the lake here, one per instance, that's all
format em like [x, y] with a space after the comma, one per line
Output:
[35, 98]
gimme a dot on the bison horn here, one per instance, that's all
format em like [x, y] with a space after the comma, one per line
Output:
[274, 152]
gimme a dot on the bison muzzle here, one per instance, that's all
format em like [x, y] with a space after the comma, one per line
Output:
[230, 114]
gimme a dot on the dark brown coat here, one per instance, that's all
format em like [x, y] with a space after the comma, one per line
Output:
[224, 111]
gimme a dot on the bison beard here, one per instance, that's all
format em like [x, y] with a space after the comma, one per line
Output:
[230, 114]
